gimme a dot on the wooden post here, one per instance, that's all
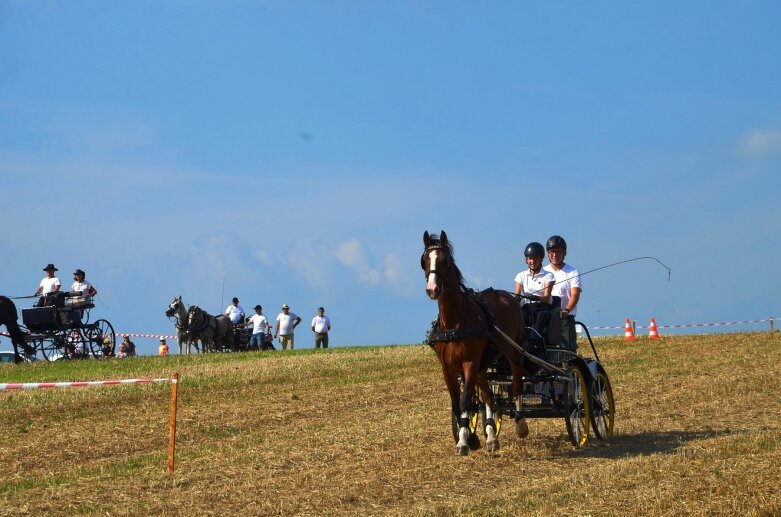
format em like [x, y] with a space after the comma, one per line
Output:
[634, 327]
[172, 423]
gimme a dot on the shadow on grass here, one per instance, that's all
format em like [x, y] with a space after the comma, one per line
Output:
[644, 444]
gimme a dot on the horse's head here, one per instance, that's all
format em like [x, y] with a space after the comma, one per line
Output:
[174, 306]
[437, 262]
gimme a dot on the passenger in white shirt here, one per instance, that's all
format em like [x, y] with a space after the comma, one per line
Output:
[535, 281]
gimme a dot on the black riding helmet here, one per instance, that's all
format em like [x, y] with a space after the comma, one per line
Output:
[534, 249]
[556, 242]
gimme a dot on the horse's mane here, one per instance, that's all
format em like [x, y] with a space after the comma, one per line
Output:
[448, 246]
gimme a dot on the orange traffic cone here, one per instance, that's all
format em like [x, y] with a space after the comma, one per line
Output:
[654, 332]
[629, 334]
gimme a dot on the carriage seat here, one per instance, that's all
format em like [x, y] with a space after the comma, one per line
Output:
[79, 302]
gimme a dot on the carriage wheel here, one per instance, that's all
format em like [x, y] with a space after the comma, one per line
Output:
[51, 346]
[99, 332]
[577, 408]
[602, 406]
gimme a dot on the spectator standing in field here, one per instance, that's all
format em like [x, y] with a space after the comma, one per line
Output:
[48, 286]
[163, 348]
[535, 281]
[321, 324]
[260, 328]
[285, 328]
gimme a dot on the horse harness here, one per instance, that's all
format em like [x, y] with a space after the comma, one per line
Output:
[457, 334]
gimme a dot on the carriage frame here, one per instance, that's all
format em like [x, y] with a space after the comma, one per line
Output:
[63, 329]
[562, 383]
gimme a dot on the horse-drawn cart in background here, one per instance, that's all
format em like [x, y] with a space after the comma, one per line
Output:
[63, 330]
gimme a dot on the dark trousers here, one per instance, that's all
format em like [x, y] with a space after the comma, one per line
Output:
[537, 316]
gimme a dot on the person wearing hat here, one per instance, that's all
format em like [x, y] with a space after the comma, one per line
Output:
[321, 324]
[538, 282]
[567, 287]
[48, 286]
[260, 328]
[163, 348]
[80, 286]
[286, 324]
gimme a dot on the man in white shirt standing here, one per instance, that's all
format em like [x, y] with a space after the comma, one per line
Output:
[286, 324]
[321, 324]
[567, 287]
[260, 328]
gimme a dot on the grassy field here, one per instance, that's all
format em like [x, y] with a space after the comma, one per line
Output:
[367, 431]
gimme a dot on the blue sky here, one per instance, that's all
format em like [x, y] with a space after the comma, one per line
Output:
[295, 152]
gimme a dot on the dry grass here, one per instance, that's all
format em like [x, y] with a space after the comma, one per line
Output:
[367, 431]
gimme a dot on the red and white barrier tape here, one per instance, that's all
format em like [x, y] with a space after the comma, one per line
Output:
[688, 325]
[76, 384]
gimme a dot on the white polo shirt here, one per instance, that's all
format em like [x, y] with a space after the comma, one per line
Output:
[566, 278]
[534, 284]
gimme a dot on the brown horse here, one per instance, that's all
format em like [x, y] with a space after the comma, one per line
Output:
[466, 339]
[8, 317]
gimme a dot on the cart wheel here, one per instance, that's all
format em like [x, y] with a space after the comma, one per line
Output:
[51, 347]
[602, 406]
[97, 333]
[578, 413]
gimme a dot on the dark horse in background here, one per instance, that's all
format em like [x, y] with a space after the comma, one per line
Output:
[465, 339]
[9, 318]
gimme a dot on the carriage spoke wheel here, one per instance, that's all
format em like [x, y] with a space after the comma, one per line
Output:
[99, 333]
[578, 413]
[602, 406]
[52, 346]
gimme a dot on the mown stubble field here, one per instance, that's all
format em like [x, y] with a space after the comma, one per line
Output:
[367, 431]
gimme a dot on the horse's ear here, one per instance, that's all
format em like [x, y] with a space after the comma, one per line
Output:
[426, 238]
[443, 238]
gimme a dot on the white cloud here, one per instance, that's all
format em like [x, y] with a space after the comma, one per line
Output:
[350, 253]
[760, 142]
[262, 256]
[309, 261]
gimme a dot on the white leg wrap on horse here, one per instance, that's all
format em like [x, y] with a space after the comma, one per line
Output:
[463, 432]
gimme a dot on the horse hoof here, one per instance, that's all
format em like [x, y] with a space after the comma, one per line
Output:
[492, 446]
[521, 429]
[462, 450]
[473, 442]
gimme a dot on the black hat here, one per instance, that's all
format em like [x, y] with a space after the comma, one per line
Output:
[50, 266]
[556, 241]
[258, 308]
[79, 272]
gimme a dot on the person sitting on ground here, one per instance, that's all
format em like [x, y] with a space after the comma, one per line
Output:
[127, 348]
[535, 281]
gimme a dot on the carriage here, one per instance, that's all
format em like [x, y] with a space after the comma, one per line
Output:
[496, 366]
[561, 383]
[63, 329]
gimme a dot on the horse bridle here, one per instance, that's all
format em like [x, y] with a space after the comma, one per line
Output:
[172, 314]
[433, 270]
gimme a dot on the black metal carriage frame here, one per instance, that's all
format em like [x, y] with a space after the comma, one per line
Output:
[562, 384]
[64, 331]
